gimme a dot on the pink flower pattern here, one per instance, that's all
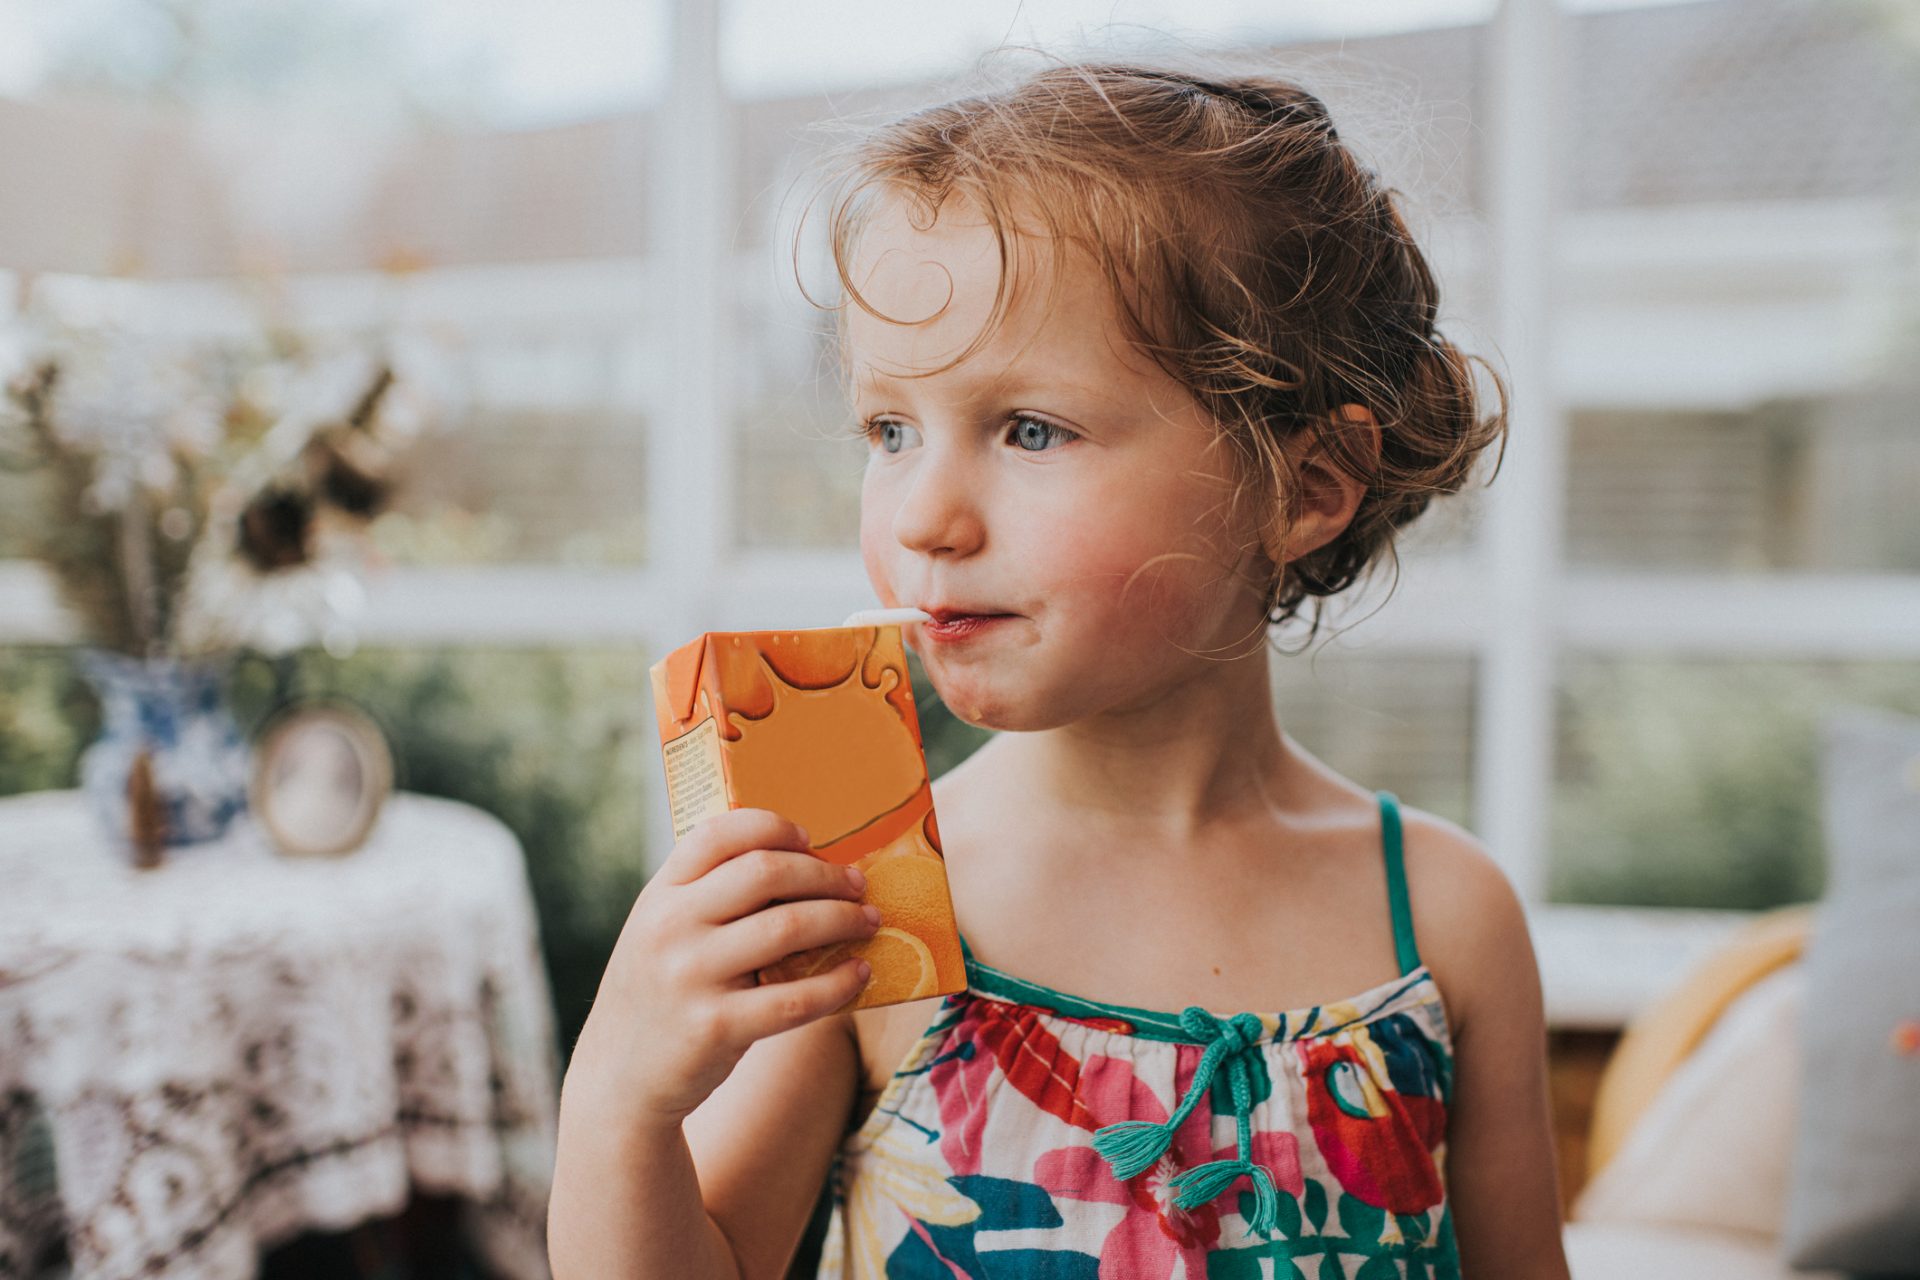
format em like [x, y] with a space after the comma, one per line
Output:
[1155, 1236]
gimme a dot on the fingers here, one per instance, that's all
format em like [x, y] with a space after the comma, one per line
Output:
[744, 884]
[781, 1006]
[739, 892]
[737, 950]
[726, 835]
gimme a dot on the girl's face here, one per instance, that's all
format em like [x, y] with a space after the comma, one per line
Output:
[1055, 475]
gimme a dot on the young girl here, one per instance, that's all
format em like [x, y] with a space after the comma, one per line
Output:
[1146, 362]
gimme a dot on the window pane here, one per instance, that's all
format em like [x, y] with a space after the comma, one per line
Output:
[533, 445]
[770, 48]
[798, 468]
[1696, 782]
[1738, 101]
[797, 491]
[1737, 334]
[1398, 721]
[547, 460]
[502, 65]
[1789, 485]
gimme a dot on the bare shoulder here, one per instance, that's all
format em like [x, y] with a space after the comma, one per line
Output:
[1472, 932]
[1468, 919]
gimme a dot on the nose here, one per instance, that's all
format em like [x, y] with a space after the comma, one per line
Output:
[939, 511]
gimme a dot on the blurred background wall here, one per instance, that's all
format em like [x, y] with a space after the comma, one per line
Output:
[1687, 232]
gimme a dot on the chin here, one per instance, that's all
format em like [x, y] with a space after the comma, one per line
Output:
[990, 720]
[969, 706]
[997, 712]
[979, 713]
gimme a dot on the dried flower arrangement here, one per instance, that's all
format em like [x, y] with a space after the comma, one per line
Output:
[194, 498]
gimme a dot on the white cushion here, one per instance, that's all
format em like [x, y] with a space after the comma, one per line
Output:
[1713, 1149]
[1622, 1251]
[1855, 1185]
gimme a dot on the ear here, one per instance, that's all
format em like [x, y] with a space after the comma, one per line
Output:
[1329, 496]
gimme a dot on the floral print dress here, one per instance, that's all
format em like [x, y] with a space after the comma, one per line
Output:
[1032, 1133]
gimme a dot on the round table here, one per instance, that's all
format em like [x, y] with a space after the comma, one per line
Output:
[201, 1060]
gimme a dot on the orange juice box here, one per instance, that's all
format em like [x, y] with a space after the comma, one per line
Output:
[819, 726]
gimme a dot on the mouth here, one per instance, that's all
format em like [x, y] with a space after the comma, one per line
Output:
[956, 623]
[946, 614]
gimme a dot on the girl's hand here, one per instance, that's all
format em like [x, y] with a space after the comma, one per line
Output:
[681, 998]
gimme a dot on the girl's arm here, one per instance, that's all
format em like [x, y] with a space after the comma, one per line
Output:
[725, 1193]
[701, 1107]
[766, 1138]
[1501, 1176]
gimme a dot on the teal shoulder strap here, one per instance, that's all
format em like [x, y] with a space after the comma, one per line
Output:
[1397, 883]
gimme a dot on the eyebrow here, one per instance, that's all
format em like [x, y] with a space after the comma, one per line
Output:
[880, 382]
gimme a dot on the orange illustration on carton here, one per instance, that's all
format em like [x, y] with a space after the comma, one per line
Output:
[819, 726]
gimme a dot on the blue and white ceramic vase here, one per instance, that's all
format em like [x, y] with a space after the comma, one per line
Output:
[198, 762]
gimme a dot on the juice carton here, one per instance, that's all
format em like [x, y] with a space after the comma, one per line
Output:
[819, 726]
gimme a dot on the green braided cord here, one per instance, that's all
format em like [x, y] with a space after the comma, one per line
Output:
[1237, 1073]
[1202, 1081]
[1199, 1185]
[1132, 1146]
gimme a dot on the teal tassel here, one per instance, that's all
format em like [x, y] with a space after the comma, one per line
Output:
[1200, 1184]
[1203, 1182]
[1131, 1146]
[1266, 1203]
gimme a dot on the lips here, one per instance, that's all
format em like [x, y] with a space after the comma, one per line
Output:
[948, 613]
[962, 627]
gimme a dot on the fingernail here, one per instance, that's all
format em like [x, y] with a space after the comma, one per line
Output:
[873, 913]
[804, 837]
[857, 878]
[864, 969]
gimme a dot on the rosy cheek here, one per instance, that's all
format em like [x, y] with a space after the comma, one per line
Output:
[1146, 596]
[1101, 561]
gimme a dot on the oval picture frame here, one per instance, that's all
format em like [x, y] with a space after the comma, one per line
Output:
[322, 771]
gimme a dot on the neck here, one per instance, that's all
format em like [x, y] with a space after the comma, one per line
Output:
[1201, 754]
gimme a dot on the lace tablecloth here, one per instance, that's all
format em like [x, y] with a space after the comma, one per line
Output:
[202, 1060]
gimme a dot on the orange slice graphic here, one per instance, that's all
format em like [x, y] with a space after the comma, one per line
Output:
[903, 966]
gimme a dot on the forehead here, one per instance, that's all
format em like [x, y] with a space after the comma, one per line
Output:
[934, 285]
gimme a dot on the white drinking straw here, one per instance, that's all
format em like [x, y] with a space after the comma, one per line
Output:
[882, 617]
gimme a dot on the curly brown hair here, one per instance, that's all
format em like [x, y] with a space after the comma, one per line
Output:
[1253, 257]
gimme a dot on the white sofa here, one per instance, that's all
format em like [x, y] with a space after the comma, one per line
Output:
[1694, 1124]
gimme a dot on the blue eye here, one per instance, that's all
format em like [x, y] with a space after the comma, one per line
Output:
[884, 432]
[878, 428]
[1046, 429]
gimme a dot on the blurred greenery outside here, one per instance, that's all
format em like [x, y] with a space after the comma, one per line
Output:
[1698, 782]
[1680, 783]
